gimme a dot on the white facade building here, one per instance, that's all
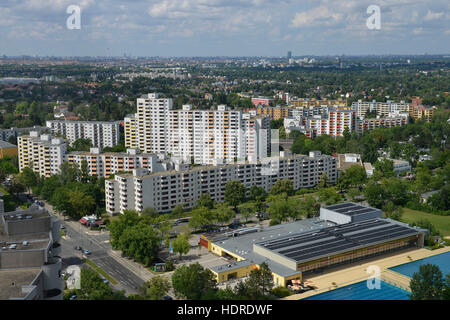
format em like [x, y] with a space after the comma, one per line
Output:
[101, 133]
[197, 136]
[42, 153]
[164, 190]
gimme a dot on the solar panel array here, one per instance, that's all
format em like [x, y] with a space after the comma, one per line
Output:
[349, 208]
[328, 241]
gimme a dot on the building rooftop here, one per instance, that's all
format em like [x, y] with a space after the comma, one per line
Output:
[11, 282]
[4, 144]
[242, 245]
[333, 240]
[350, 208]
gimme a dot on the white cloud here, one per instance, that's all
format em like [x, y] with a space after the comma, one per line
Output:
[433, 15]
[318, 16]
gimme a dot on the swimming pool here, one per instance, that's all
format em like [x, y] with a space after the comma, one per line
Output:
[442, 260]
[359, 291]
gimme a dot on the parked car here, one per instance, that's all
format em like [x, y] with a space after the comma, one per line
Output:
[86, 252]
[74, 297]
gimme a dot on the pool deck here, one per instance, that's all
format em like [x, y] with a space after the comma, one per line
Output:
[345, 275]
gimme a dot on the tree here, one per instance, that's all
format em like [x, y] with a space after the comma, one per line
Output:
[80, 145]
[356, 175]
[282, 186]
[383, 169]
[193, 281]
[199, 217]
[257, 193]
[260, 282]
[28, 178]
[329, 196]
[15, 186]
[223, 213]
[150, 212]
[375, 195]
[178, 211]
[247, 209]
[84, 171]
[92, 287]
[234, 193]
[281, 208]
[309, 208]
[68, 173]
[155, 288]
[323, 183]
[205, 201]
[81, 203]
[427, 283]
[127, 219]
[140, 242]
[392, 211]
[181, 245]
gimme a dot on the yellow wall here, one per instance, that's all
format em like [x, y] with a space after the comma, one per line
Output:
[240, 273]
[281, 281]
[245, 270]
[8, 152]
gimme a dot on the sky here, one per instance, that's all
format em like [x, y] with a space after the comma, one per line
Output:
[182, 28]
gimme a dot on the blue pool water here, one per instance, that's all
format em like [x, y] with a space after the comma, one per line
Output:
[359, 291]
[442, 260]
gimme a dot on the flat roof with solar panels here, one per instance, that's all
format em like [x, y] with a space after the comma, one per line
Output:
[348, 212]
[330, 241]
[313, 244]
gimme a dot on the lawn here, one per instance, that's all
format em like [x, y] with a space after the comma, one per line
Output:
[442, 223]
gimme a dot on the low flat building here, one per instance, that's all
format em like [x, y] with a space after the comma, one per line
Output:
[304, 246]
[30, 263]
[348, 212]
[7, 149]
[346, 160]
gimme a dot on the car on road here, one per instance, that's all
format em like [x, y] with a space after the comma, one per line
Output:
[86, 252]
[78, 248]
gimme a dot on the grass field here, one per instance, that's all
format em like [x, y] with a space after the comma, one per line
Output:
[442, 223]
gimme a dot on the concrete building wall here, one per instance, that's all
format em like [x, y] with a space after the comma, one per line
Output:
[21, 259]
[16, 227]
[333, 216]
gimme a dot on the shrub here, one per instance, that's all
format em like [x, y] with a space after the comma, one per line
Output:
[281, 292]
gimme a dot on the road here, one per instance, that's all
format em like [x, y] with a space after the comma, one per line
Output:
[129, 275]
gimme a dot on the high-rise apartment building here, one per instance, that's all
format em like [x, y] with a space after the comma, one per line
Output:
[42, 153]
[152, 123]
[101, 133]
[195, 136]
[130, 131]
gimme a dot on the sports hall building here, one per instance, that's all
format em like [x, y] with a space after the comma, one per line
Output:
[344, 233]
